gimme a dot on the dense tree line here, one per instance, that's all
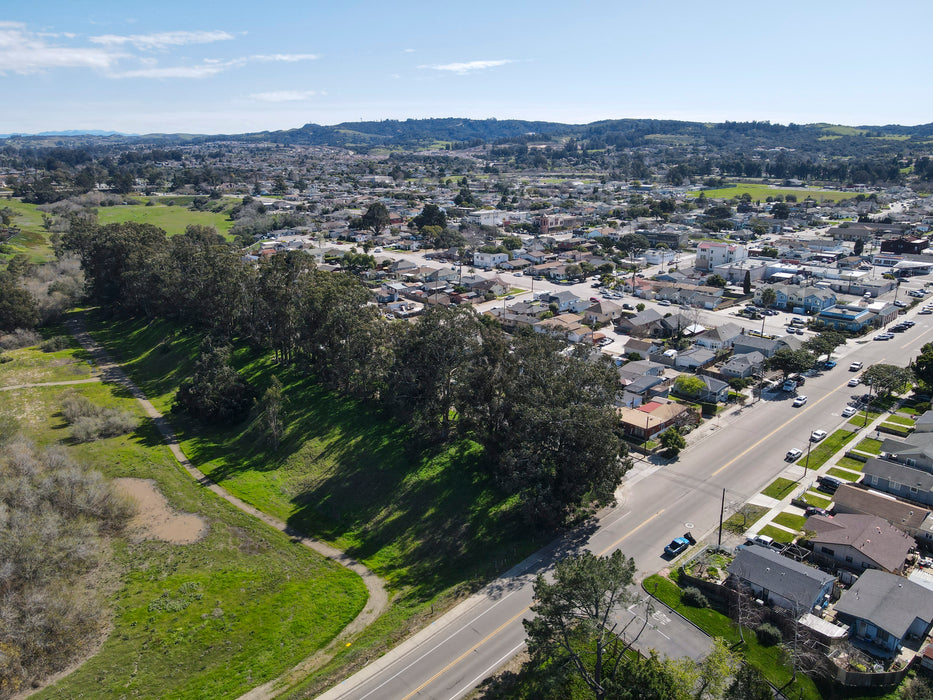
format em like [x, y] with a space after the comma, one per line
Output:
[546, 420]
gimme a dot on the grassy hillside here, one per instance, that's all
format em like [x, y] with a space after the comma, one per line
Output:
[33, 240]
[209, 619]
[428, 521]
[174, 219]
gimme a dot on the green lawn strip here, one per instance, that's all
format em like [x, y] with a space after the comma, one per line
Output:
[895, 429]
[768, 660]
[33, 239]
[209, 619]
[814, 499]
[173, 219]
[859, 420]
[851, 464]
[746, 516]
[826, 449]
[792, 520]
[430, 521]
[33, 366]
[900, 420]
[778, 534]
[779, 488]
[869, 445]
[844, 474]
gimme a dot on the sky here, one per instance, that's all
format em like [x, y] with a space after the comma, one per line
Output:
[234, 67]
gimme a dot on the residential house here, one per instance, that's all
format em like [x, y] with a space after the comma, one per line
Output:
[654, 417]
[752, 343]
[886, 610]
[631, 371]
[567, 301]
[602, 312]
[488, 260]
[694, 358]
[567, 326]
[715, 391]
[642, 325]
[742, 366]
[780, 581]
[710, 254]
[899, 480]
[911, 518]
[645, 348]
[720, 337]
[846, 317]
[517, 264]
[855, 541]
[645, 389]
[915, 450]
[810, 299]
[924, 423]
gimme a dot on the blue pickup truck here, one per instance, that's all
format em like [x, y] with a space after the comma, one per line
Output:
[679, 545]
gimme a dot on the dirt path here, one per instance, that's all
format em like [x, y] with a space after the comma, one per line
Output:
[378, 597]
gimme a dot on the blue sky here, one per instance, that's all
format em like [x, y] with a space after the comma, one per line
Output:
[246, 66]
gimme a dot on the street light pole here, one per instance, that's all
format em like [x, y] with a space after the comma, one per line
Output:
[806, 463]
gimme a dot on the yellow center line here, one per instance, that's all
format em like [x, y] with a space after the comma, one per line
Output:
[513, 618]
[780, 428]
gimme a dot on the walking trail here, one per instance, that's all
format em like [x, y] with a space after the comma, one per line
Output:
[378, 597]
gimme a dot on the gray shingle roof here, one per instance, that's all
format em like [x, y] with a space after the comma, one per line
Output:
[874, 537]
[887, 601]
[790, 579]
[901, 473]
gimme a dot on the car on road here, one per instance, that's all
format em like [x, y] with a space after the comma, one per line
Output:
[817, 435]
[793, 455]
[510, 297]
[909, 324]
[800, 400]
[829, 364]
[885, 336]
[925, 311]
[900, 304]
[628, 307]
[849, 411]
[855, 366]
[664, 302]
[855, 381]
[679, 545]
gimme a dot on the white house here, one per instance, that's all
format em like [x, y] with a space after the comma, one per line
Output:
[488, 260]
[710, 254]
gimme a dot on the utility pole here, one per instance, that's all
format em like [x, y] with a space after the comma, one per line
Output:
[806, 463]
[722, 511]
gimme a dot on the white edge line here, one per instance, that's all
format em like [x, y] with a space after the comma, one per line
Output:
[509, 654]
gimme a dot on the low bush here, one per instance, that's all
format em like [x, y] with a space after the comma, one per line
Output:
[20, 338]
[768, 635]
[694, 598]
[54, 344]
[90, 422]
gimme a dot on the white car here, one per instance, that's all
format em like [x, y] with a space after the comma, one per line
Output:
[793, 455]
[849, 411]
[855, 381]
[817, 435]
[800, 401]
[855, 366]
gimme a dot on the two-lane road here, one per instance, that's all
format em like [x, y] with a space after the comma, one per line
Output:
[657, 503]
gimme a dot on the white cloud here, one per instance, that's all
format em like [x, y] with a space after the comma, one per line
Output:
[162, 40]
[205, 70]
[408, 50]
[23, 52]
[470, 66]
[283, 96]
[286, 57]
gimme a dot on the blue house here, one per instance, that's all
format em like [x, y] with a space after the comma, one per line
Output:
[848, 318]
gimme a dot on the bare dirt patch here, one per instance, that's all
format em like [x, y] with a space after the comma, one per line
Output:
[155, 519]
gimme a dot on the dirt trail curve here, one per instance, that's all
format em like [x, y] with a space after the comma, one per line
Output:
[378, 597]
[67, 382]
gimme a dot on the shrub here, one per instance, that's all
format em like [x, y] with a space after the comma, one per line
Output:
[55, 343]
[20, 338]
[768, 634]
[89, 421]
[694, 598]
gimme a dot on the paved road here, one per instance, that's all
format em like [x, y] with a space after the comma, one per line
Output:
[656, 503]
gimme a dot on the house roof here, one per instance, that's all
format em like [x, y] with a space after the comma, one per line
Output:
[925, 419]
[790, 579]
[754, 342]
[901, 473]
[887, 601]
[903, 516]
[722, 333]
[872, 536]
[645, 317]
[604, 307]
[749, 359]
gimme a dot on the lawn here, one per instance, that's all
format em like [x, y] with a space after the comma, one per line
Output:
[779, 488]
[33, 240]
[843, 474]
[814, 499]
[777, 534]
[869, 445]
[791, 520]
[851, 464]
[32, 365]
[900, 420]
[209, 619]
[768, 660]
[759, 192]
[826, 449]
[744, 518]
[173, 219]
[859, 420]
[428, 520]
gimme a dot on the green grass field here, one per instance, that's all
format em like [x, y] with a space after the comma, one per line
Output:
[815, 499]
[209, 619]
[759, 192]
[851, 464]
[869, 445]
[33, 240]
[430, 521]
[777, 534]
[779, 488]
[791, 520]
[174, 219]
[746, 516]
[843, 474]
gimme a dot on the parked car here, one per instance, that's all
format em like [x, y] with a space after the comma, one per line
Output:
[816, 510]
[793, 455]
[909, 324]
[828, 484]
[829, 364]
[628, 307]
[885, 336]
[817, 435]
[849, 411]
[800, 401]
[679, 545]
[664, 302]
[900, 304]
[855, 366]
[763, 540]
